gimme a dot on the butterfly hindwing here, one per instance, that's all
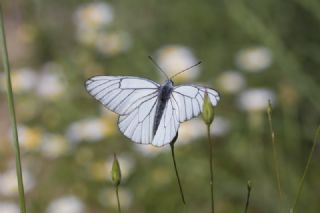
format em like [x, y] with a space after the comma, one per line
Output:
[188, 99]
[137, 125]
[185, 103]
[168, 125]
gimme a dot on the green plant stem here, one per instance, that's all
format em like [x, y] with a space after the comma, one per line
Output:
[118, 200]
[211, 166]
[248, 197]
[12, 114]
[177, 174]
[305, 171]
[274, 153]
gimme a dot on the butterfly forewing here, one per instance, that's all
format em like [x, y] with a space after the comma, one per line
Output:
[121, 94]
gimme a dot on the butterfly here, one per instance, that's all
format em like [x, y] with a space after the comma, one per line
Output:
[150, 113]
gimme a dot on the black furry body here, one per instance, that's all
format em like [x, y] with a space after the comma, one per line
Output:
[165, 91]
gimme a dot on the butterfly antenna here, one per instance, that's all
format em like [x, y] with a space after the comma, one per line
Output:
[159, 68]
[185, 70]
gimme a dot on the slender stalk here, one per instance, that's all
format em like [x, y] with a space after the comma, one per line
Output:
[305, 171]
[12, 114]
[274, 151]
[118, 200]
[211, 166]
[177, 174]
[248, 196]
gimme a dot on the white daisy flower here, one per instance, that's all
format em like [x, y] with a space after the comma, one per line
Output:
[8, 182]
[66, 204]
[92, 19]
[175, 58]
[256, 99]
[149, 150]
[91, 129]
[195, 129]
[29, 137]
[9, 207]
[254, 59]
[93, 16]
[23, 80]
[53, 145]
[50, 84]
[113, 43]
[231, 82]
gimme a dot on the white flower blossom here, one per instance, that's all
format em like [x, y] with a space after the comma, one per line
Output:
[175, 58]
[53, 145]
[91, 20]
[256, 99]
[195, 129]
[66, 204]
[113, 43]
[254, 59]
[8, 182]
[9, 207]
[29, 137]
[92, 129]
[93, 16]
[231, 82]
[23, 80]
[150, 151]
[50, 84]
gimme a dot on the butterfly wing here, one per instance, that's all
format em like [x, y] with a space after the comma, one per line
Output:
[137, 124]
[184, 103]
[168, 126]
[121, 94]
[188, 100]
[133, 98]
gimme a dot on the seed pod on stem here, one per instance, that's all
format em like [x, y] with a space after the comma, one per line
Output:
[207, 110]
[116, 171]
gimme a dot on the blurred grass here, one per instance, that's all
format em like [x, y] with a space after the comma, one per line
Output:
[10, 99]
[45, 31]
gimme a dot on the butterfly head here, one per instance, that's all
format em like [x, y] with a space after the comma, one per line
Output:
[169, 83]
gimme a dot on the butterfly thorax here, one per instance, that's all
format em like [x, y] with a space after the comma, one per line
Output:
[165, 91]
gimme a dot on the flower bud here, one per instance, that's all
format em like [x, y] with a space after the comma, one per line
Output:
[116, 172]
[207, 110]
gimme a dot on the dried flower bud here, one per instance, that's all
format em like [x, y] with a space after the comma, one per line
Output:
[116, 172]
[207, 110]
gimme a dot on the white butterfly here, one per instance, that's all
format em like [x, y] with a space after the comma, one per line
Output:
[149, 113]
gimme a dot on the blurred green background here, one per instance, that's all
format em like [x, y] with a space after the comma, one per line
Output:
[252, 51]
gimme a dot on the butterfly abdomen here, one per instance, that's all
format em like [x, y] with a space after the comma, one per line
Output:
[163, 97]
